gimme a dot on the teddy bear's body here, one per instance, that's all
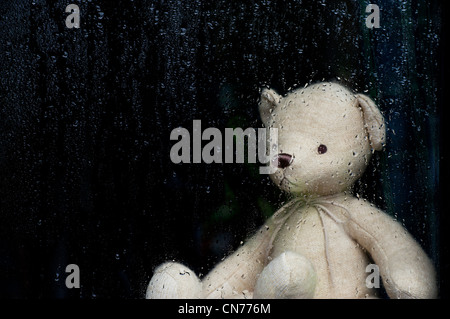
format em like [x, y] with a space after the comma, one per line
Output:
[339, 262]
[305, 229]
[320, 243]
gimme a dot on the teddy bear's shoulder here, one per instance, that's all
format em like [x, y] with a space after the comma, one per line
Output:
[361, 206]
[362, 215]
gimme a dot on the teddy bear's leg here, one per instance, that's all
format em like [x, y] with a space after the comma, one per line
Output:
[289, 276]
[174, 281]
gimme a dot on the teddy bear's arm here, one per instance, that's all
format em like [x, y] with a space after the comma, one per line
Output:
[236, 276]
[406, 270]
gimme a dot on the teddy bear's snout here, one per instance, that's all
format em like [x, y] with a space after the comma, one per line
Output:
[284, 160]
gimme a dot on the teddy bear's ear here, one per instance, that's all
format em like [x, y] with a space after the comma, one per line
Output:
[268, 102]
[373, 120]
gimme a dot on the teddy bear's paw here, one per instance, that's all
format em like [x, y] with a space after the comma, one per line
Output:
[406, 282]
[174, 281]
[289, 276]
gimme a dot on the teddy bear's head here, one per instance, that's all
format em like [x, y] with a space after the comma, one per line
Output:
[326, 136]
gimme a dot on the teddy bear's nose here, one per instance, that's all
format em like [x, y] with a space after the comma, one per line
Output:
[284, 160]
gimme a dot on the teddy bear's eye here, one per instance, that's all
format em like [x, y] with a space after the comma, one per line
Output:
[322, 149]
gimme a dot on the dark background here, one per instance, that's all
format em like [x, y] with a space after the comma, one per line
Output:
[86, 115]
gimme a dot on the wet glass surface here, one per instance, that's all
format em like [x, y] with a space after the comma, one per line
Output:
[86, 116]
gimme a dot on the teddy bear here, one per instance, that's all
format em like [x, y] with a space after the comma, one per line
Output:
[321, 242]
